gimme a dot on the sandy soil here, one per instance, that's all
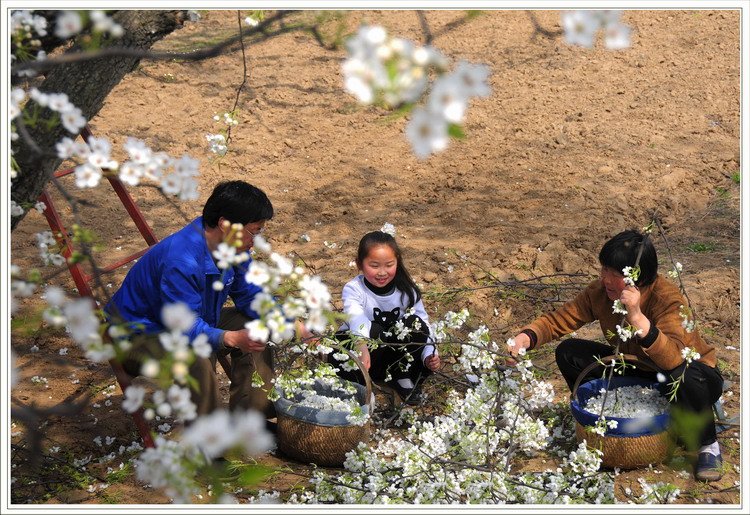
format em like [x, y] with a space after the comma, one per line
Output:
[573, 146]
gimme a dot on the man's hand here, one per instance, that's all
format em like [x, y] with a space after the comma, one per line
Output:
[241, 340]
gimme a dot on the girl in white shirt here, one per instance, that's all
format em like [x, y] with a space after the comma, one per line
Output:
[387, 322]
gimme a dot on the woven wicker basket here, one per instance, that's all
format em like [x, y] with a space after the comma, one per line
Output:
[323, 444]
[625, 451]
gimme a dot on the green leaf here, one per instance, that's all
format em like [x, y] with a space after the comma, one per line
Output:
[456, 131]
[254, 474]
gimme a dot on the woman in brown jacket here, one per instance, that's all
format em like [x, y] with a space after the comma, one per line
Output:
[654, 306]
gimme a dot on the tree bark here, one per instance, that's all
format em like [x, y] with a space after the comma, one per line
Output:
[87, 84]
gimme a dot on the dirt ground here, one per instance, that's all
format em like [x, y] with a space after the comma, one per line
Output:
[573, 146]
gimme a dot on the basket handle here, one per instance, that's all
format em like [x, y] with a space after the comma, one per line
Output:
[628, 357]
[365, 374]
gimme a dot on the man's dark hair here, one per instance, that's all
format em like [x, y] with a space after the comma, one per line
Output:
[622, 251]
[236, 201]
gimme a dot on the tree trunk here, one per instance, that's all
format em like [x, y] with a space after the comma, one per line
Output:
[87, 84]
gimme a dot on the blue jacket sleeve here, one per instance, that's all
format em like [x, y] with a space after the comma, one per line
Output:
[243, 293]
[181, 282]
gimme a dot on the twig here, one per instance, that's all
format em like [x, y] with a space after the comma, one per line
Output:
[198, 55]
[425, 28]
[538, 29]
[244, 75]
[62, 461]
[671, 259]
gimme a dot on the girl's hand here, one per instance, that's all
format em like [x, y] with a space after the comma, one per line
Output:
[364, 355]
[306, 336]
[432, 362]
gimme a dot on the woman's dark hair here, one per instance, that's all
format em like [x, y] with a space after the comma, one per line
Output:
[236, 201]
[622, 251]
[402, 280]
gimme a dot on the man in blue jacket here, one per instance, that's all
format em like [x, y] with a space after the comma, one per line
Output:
[181, 268]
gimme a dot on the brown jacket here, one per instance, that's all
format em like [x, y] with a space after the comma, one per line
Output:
[660, 303]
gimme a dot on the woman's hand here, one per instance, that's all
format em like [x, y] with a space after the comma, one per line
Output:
[521, 341]
[631, 299]
[432, 362]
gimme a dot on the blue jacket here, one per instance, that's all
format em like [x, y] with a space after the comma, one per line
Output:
[180, 268]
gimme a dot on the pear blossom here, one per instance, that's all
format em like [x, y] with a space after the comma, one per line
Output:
[260, 244]
[138, 151]
[73, 120]
[17, 95]
[224, 255]
[82, 321]
[631, 275]
[448, 98]
[150, 368]
[87, 175]
[689, 354]
[177, 316]
[217, 144]
[619, 307]
[59, 102]
[15, 209]
[258, 331]
[388, 228]
[627, 332]
[131, 173]
[201, 347]
[179, 398]
[427, 132]
[258, 273]
[580, 27]
[616, 36]
[65, 148]
[173, 340]
[283, 265]
[68, 24]
[186, 165]
[134, 396]
[473, 78]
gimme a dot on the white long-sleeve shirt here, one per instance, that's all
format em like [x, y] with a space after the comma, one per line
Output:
[363, 306]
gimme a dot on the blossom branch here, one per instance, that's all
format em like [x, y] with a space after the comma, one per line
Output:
[199, 55]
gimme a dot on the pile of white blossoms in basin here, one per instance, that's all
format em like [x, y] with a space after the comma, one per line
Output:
[332, 393]
[629, 402]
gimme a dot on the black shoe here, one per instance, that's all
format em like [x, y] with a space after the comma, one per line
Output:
[410, 396]
[709, 467]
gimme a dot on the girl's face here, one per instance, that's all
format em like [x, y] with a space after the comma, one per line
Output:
[379, 266]
[613, 281]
